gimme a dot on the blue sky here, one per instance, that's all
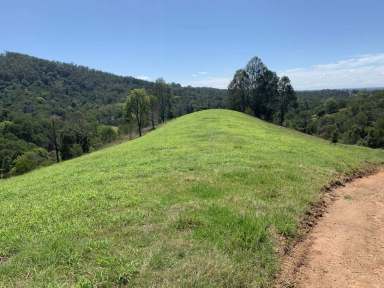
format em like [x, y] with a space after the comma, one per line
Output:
[319, 44]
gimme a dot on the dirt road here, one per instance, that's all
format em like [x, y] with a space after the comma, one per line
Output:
[346, 247]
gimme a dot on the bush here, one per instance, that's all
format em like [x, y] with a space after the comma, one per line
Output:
[107, 134]
[30, 160]
[76, 150]
[335, 137]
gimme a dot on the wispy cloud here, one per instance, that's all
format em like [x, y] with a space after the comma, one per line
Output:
[143, 77]
[214, 82]
[356, 72]
[362, 71]
[201, 73]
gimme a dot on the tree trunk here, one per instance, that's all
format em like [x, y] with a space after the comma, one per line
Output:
[139, 124]
[139, 127]
[282, 116]
[138, 119]
[162, 117]
[283, 109]
[55, 141]
[153, 120]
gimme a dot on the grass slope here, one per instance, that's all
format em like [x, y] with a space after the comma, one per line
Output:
[193, 204]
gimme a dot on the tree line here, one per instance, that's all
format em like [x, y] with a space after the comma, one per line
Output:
[346, 116]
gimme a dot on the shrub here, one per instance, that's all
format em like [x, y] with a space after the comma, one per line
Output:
[107, 134]
[30, 160]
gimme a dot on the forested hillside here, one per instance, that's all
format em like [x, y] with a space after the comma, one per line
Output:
[347, 116]
[46, 105]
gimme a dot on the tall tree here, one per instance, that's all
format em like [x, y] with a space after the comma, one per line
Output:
[263, 88]
[287, 97]
[54, 138]
[67, 141]
[239, 91]
[154, 109]
[163, 94]
[137, 106]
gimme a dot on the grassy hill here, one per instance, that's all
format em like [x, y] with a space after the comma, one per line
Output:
[84, 103]
[193, 204]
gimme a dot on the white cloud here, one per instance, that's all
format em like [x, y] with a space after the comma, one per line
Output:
[143, 77]
[363, 71]
[358, 72]
[201, 73]
[214, 82]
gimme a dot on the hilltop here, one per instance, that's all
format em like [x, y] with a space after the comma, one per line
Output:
[198, 202]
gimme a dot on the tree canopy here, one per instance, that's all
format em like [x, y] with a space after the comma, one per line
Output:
[260, 91]
[137, 106]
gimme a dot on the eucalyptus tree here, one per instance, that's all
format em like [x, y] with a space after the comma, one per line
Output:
[137, 107]
[162, 92]
[239, 91]
[53, 135]
[263, 88]
[287, 97]
[153, 109]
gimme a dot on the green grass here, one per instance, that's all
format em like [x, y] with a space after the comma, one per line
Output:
[195, 203]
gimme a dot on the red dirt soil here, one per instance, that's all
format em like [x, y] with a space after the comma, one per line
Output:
[346, 247]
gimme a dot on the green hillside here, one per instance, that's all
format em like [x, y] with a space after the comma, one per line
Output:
[84, 103]
[193, 204]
